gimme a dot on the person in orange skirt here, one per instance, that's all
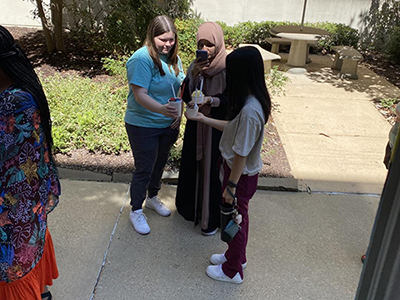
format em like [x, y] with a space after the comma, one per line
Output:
[29, 185]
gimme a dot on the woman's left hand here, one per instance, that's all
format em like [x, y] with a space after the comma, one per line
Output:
[207, 101]
[227, 196]
[176, 123]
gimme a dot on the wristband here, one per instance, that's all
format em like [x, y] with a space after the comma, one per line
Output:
[231, 184]
[211, 100]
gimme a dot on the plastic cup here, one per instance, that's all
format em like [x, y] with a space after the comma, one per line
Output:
[177, 103]
[191, 112]
[200, 98]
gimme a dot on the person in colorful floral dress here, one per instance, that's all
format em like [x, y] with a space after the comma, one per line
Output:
[29, 185]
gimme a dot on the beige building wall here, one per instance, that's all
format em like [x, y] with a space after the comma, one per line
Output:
[18, 12]
[233, 11]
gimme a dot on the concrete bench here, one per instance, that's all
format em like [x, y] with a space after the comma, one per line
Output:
[276, 41]
[267, 56]
[346, 60]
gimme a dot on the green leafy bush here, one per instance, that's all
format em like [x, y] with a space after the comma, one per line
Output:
[378, 24]
[86, 114]
[392, 46]
[249, 33]
[116, 67]
[276, 81]
[118, 25]
[258, 32]
[187, 32]
[390, 103]
[340, 34]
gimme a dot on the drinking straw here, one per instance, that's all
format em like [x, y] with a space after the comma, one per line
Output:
[195, 99]
[201, 84]
[173, 90]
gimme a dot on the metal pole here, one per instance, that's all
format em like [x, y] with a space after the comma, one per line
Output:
[304, 13]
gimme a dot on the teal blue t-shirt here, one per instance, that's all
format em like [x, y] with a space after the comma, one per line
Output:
[142, 72]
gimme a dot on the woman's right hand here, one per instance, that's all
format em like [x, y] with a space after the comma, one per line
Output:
[199, 117]
[170, 111]
[198, 66]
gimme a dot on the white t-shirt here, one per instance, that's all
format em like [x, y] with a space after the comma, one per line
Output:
[244, 136]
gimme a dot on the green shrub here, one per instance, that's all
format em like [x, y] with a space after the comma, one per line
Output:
[249, 33]
[340, 34]
[390, 103]
[276, 81]
[378, 24]
[187, 35]
[118, 25]
[86, 114]
[392, 46]
[116, 67]
[258, 32]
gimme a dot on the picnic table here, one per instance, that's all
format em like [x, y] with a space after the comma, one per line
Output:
[300, 38]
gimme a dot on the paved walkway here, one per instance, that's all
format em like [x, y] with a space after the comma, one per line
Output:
[301, 245]
[333, 135]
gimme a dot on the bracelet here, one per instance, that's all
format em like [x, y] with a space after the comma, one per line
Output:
[231, 184]
[211, 100]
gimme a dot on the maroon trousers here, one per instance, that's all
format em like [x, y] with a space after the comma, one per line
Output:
[236, 253]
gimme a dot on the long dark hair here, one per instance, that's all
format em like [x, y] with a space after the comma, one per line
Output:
[244, 77]
[158, 26]
[16, 66]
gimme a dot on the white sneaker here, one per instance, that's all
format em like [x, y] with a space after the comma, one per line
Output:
[139, 221]
[215, 272]
[219, 259]
[155, 203]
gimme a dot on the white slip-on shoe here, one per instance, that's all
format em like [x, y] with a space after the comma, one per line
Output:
[219, 259]
[155, 203]
[216, 273]
[139, 221]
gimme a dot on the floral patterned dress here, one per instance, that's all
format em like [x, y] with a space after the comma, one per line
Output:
[29, 185]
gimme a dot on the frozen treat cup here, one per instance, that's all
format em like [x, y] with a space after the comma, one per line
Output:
[200, 97]
[177, 103]
[191, 112]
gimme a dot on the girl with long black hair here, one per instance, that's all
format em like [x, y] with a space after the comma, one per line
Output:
[241, 142]
[29, 185]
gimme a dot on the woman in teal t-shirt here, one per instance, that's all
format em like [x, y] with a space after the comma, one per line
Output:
[154, 74]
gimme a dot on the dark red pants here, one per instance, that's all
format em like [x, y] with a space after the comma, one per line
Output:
[236, 253]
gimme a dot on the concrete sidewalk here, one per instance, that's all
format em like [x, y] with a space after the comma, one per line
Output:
[333, 135]
[301, 246]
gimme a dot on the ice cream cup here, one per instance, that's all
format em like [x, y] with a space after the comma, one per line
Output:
[191, 112]
[177, 103]
[200, 97]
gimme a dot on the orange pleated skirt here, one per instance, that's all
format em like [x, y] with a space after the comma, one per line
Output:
[30, 287]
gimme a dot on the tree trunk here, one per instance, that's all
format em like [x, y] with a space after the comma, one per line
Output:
[56, 18]
[48, 31]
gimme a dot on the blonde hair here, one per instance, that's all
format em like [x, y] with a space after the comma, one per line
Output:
[158, 26]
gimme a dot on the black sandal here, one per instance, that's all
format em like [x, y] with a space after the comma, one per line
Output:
[47, 296]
